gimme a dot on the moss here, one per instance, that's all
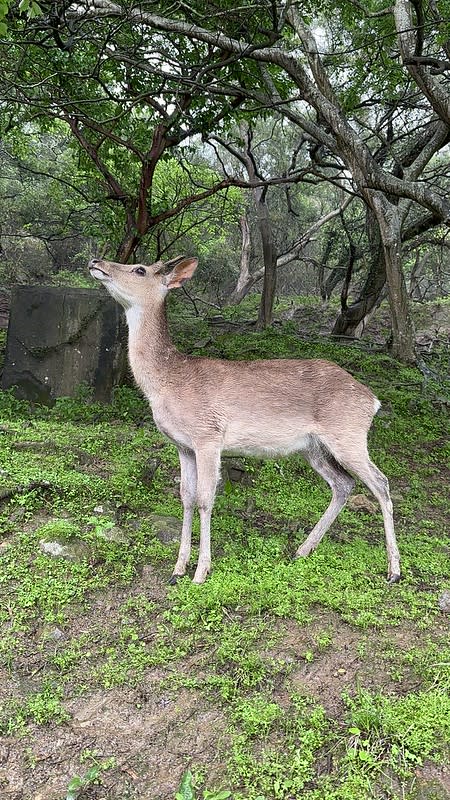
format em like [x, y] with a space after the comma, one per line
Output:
[78, 470]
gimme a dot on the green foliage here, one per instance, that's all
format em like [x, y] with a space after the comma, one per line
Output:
[256, 715]
[282, 774]
[40, 707]
[259, 641]
[30, 8]
[186, 790]
[404, 731]
[92, 777]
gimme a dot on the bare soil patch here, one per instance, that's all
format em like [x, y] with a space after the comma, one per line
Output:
[353, 658]
[433, 782]
[151, 736]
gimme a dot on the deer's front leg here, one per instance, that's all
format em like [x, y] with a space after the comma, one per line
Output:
[188, 493]
[208, 470]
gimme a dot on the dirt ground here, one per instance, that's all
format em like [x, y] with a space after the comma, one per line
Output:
[153, 733]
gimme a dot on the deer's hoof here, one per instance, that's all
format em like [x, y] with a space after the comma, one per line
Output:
[199, 579]
[395, 578]
[201, 576]
[301, 554]
[173, 580]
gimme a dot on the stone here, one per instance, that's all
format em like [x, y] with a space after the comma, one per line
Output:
[444, 602]
[51, 632]
[166, 529]
[60, 338]
[148, 471]
[235, 470]
[72, 549]
[112, 534]
[359, 502]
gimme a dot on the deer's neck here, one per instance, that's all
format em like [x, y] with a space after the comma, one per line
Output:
[152, 353]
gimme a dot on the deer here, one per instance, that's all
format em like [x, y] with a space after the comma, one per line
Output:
[264, 408]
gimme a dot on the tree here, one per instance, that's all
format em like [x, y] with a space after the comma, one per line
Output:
[126, 112]
[291, 68]
[374, 125]
[251, 150]
[48, 214]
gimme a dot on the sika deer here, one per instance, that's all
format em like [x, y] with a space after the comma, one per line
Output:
[265, 408]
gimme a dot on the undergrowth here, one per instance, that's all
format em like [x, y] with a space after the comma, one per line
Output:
[79, 483]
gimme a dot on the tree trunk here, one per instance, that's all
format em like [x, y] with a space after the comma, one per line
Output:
[353, 319]
[334, 279]
[127, 247]
[417, 275]
[389, 221]
[321, 282]
[270, 260]
[265, 231]
[245, 280]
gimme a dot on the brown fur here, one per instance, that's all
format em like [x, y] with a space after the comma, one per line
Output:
[267, 407]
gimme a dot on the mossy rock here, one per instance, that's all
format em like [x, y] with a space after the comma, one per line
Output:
[71, 549]
[167, 529]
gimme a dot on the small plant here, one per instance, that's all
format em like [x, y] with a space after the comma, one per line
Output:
[40, 708]
[61, 529]
[100, 526]
[78, 784]
[256, 715]
[92, 777]
[186, 790]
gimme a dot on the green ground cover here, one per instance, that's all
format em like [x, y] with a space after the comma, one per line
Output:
[275, 679]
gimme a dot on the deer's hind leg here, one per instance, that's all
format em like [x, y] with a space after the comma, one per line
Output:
[354, 456]
[341, 484]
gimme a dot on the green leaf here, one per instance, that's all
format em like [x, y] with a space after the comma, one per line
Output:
[207, 795]
[35, 10]
[75, 785]
[185, 791]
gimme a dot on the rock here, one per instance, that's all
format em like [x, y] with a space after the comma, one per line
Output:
[71, 549]
[236, 471]
[166, 529]
[112, 534]
[104, 510]
[51, 632]
[148, 471]
[444, 602]
[18, 515]
[359, 502]
[60, 338]
[396, 497]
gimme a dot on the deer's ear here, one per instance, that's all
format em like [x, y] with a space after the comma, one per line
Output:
[181, 273]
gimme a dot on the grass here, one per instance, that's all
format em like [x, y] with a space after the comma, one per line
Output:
[326, 683]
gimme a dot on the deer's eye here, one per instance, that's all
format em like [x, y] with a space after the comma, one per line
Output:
[140, 271]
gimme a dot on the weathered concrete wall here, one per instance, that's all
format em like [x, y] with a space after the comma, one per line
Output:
[4, 308]
[59, 338]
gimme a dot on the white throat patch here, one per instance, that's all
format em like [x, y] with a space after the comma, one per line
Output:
[133, 315]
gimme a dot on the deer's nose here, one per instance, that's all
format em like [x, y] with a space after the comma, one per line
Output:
[93, 263]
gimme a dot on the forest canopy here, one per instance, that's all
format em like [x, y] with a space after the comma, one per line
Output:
[291, 145]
